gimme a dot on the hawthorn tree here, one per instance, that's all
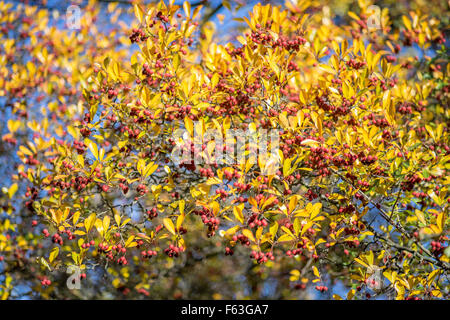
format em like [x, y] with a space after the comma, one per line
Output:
[97, 204]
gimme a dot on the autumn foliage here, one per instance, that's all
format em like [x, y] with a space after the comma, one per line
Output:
[91, 120]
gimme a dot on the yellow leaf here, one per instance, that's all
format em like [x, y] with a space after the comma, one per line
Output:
[273, 230]
[316, 271]
[361, 262]
[182, 204]
[75, 217]
[297, 226]
[315, 210]
[432, 275]
[293, 203]
[327, 68]
[89, 222]
[286, 230]
[353, 15]
[441, 221]
[214, 80]
[285, 237]
[406, 22]
[350, 294]
[295, 275]
[169, 225]
[248, 234]
[436, 293]
[117, 218]
[180, 220]
[268, 202]
[286, 167]
[259, 233]
[187, 9]
[232, 231]
[189, 125]
[310, 142]
[176, 61]
[237, 211]
[12, 190]
[99, 226]
[93, 147]
[430, 132]
[420, 216]
[13, 125]
[284, 120]
[53, 254]
[305, 227]
[150, 168]
[129, 242]
[139, 13]
[106, 222]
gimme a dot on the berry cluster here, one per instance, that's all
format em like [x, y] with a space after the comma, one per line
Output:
[261, 257]
[46, 233]
[253, 221]
[45, 282]
[289, 44]
[293, 253]
[138, 35]
[79, 146]
[124, 187]
[102, 247]
[148, 254]
[142, 189]
[352, 63]
[321, 288]
[79, 183]
[351, 231]
[347, 209]
[222, 192]
[229, 251]
[173, 251]
[236, 52]
[367, 160]
[419, 194]
[57, 239]
[311, 195]
[437, 248]
[409, 182]
[261, 37]
[242, 239]
[181, 230]
[89, 244]
[122, 261]
[152, 213]
[212, 224]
